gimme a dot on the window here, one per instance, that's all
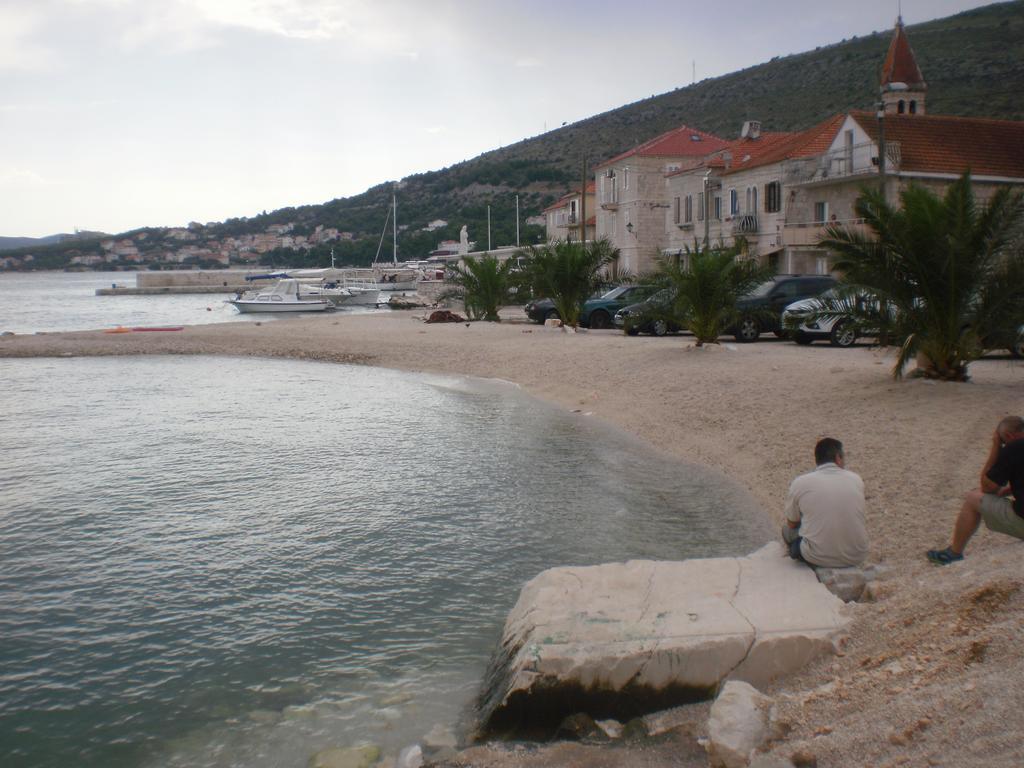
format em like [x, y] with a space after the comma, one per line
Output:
[625, 178]
[820, 212]
[821, 265]
[901, 107]
[734, 202]
[718, 207]
[689, 208]
[700, 206]
[913, 107]
[772, 197]
[675, 210]
[751, 208]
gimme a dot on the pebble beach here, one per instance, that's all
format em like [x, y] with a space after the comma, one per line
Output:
[931, 673]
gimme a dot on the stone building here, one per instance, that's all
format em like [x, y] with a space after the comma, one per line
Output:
[562, 218]
[632, 198]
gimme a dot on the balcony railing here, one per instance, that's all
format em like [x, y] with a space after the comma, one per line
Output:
[746, 225]
[858, 160]
[810, 233]
[567, 220]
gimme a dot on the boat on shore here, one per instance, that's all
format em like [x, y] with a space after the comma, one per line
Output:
[284, 296]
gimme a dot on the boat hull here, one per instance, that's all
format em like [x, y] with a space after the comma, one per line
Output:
[245, 307]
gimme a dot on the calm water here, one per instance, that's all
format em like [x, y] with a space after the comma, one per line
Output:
[226, 562]
[67, 301]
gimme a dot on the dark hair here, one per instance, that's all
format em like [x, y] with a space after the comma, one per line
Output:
[827, 449]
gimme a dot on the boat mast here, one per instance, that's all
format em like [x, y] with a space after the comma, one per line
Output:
[394, 229]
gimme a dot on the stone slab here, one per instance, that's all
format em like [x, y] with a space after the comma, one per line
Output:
[623, 639]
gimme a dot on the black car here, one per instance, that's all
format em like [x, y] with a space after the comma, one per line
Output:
[653, 315]
[761, 309]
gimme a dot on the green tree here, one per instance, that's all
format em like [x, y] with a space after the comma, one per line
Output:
[947, 273]
[483, 285]
[567, 272]
[706, 290]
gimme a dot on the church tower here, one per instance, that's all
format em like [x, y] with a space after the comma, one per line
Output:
[903, 85]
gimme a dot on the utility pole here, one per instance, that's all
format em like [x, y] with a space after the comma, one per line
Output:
[583, 205]
[517, 221]
[488, 228]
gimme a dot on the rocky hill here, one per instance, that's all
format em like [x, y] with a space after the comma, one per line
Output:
[973, 62]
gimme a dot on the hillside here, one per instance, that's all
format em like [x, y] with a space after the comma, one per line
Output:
[973, 62]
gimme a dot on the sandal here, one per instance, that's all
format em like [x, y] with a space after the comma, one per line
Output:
[944, 556]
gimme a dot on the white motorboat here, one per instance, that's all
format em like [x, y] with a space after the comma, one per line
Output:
[284, 296]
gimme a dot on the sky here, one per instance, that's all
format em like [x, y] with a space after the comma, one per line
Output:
[119, 114]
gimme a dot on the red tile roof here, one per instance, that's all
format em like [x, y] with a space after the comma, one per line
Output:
[563, 201]
[679, 142]
[944, 144]
[776, 147]
[900, 65]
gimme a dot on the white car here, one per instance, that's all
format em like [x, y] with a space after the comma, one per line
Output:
[839, 331]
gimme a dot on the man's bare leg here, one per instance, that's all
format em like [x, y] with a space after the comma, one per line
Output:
[967, 522]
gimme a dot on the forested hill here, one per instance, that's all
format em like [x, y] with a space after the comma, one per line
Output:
[973, 62]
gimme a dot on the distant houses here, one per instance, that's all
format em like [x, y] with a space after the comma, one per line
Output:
[774, 193]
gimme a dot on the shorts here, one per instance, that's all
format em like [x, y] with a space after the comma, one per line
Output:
[998, 514]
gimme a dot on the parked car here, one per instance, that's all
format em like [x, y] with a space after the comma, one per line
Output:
[761, 309]
[598, 311]
[652, 315]
[1009, 339]
[839, 331]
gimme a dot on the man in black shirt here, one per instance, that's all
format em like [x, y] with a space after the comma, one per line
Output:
[1001, 477]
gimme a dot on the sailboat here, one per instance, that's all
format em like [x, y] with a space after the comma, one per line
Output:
[396, 277]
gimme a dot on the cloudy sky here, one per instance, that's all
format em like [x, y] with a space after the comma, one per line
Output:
[116, 114]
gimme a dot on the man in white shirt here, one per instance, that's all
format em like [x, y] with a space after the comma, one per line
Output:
[825, 522]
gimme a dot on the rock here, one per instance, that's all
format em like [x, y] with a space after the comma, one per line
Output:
[410, 757]
[439, 739]
[347, 757]
[845, 583]
[626, 639]
[738, 725]
[611, 728]
[578, 727]
[668, 720]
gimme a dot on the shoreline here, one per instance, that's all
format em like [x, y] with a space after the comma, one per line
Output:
[753, 413]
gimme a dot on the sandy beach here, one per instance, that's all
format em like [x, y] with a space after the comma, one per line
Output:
[932, 673]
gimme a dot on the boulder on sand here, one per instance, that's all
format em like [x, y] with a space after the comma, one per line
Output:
[625, 639]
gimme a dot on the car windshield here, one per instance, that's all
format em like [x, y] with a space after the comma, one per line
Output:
[614, 293]
[763, 289]
[663, 295]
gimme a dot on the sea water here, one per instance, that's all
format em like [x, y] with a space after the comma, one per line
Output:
[31, 302]
[234, 562]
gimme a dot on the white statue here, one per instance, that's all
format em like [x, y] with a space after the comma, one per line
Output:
[463, 241]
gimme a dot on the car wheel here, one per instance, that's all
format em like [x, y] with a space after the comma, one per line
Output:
[802, 338]
[659, 328]
[600, 319]
[843, 335]
[747, 330]
[552, 314]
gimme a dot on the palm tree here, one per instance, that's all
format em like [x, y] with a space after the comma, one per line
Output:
[706, 292]
[567, 272]
[947, 273]
[483, 285]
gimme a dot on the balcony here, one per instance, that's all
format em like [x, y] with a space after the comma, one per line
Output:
[840, 164]
[567, 220]
[809, 234]
[744, 225]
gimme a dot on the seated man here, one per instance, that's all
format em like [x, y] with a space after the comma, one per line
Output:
[1002, 475]
[825, 523]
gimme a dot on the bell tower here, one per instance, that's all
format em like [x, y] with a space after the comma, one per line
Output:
[902, 85]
